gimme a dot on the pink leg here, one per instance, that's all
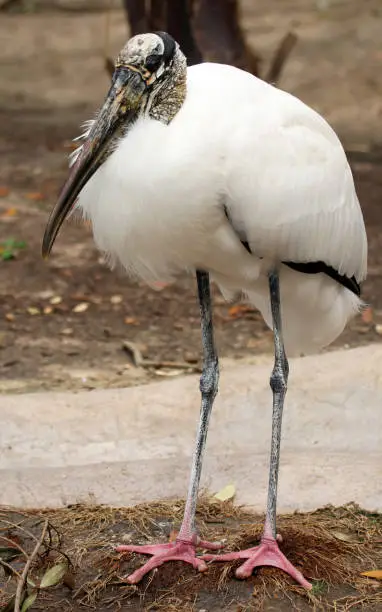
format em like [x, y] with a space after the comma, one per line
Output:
[180, 550]
[267, 553]
[183, 549]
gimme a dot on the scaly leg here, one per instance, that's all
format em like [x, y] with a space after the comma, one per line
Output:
[183, 549]
[268, 552]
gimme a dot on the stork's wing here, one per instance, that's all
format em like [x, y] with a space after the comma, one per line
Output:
[292, 198]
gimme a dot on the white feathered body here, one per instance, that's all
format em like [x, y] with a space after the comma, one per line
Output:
[241, 160]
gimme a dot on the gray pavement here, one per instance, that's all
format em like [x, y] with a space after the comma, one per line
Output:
[123, 446]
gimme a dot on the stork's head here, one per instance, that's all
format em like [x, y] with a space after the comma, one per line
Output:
[151, 55]
[149, 78]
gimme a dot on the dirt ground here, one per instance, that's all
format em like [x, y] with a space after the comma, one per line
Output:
[64, 321]
[333, 547]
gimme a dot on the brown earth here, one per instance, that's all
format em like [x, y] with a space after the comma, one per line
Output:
[52, 79]
[331, 546]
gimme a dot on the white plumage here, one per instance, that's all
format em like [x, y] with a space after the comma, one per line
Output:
[242, 148]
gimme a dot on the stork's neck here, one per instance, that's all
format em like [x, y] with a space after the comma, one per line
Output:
[168, 98]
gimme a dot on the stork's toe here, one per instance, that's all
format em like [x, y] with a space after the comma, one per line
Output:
[180, 550]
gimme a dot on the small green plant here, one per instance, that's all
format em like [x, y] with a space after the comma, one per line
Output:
[319, 587]
[10, 247]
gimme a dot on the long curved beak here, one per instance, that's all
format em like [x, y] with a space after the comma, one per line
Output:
[120, 108]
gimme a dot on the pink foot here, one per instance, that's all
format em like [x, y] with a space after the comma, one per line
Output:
[267, 553]
[180, 550]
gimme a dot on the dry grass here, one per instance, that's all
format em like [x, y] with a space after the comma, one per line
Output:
[331, 546]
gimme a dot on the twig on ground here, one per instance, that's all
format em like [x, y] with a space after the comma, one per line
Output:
[21, 583]
[177, 365]
[134, 352]
[139, 362]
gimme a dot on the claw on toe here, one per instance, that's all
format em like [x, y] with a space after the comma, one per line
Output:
[266, 553]
[180, 550]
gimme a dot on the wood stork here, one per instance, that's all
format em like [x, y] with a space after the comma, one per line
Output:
[213, 171]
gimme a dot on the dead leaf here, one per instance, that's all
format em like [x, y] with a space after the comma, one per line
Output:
[53, 575]
[10, 212]
[57, 299]
[33, 311]
[378, 329]
[35, 196]
[345, 537]
[9, 316]
[67, 331]
[226, 493]
[29, 601]
[367, 315]
[131, 321]
[48, 310]
[239, 309]
[4, 191]
[81, 307]
[377, 574]
[116, 299]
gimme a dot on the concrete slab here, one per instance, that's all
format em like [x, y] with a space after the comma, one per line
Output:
[123, 446]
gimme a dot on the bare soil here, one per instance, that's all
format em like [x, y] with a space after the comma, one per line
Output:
[53, 79]
[332, 547]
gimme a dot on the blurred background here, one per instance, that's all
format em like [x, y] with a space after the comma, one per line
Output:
[70, 322]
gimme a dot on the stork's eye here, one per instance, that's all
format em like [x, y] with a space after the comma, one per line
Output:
[153, 62]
